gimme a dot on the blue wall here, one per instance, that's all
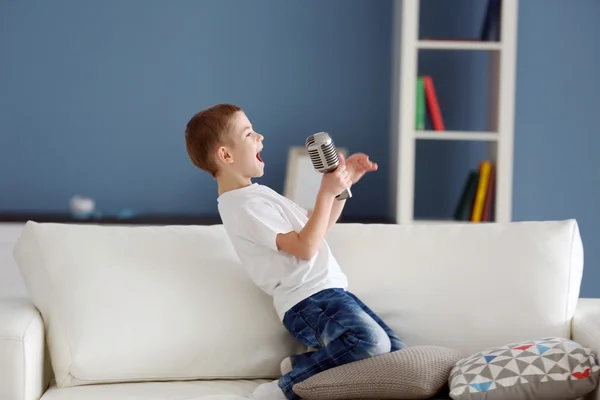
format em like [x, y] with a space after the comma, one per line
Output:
[95, 95]
[94, 100]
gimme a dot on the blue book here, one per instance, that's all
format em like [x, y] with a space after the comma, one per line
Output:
[490, 30]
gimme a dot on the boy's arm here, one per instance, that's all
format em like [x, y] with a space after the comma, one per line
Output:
[336, 211]
[305, 244]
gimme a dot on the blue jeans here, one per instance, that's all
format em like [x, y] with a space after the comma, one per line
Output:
[341, 328]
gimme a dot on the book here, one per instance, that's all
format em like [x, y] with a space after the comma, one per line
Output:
[420, 106]
[484, 176]
[488, 205]
[465, 204]
[490, 29]
[433, 104]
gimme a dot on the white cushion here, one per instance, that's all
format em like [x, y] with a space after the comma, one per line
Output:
[148, 303]
[466, 286]
[194, 390]
[171, 303]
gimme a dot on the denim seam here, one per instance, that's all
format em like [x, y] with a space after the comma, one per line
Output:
[348, 349]
[312, 326]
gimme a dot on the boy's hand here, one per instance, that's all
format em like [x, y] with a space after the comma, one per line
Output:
[358, 165]
[334, 183]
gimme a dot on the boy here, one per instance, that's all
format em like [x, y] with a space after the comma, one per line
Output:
[284, 250]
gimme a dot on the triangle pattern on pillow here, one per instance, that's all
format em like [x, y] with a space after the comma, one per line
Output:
[543, 360]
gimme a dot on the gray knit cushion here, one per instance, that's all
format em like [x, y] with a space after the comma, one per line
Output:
[416, 372]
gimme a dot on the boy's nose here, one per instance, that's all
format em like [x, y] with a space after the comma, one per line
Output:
[260, 137]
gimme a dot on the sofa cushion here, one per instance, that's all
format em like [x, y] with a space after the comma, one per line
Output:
[417, 372]
[547, 368]
[144, 303]
[189, 390]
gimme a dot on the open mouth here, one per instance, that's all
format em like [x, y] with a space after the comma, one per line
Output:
[258, 157]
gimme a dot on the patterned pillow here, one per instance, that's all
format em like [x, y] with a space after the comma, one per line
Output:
[548, 368]
[416, 372]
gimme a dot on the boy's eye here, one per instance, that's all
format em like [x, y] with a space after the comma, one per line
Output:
[249, 134]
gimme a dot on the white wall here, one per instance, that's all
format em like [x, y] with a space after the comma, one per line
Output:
[11, 283]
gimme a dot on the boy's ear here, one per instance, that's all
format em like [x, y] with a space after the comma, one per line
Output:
[224, 155]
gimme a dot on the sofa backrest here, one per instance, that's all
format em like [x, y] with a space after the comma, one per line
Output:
[466, 286]
[11, 282]
[173, 303]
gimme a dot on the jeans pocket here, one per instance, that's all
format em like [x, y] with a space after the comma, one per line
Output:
[302, 330]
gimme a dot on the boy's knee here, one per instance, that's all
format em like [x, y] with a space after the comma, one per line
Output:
[381, 345]
[374, 341]
[397, 344]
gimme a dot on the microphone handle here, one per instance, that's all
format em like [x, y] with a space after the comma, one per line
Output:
[346, 194]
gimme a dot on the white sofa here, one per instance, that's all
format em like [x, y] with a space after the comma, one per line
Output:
[167, 313]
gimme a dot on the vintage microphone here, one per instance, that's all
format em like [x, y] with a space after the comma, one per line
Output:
[324, 157]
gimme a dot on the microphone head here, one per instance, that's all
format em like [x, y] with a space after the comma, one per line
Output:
[322, 152]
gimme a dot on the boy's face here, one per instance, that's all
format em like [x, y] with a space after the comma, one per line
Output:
[243, 156]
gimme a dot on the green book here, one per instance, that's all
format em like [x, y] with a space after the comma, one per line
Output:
[465, 204]
[420, 108]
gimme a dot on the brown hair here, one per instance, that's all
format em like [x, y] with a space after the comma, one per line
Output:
[205, 132]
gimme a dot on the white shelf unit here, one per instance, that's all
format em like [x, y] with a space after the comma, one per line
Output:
[501, 103]
[457, 45]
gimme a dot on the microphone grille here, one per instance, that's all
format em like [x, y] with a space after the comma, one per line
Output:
[322, 152]
[316, 159]
[330, 154]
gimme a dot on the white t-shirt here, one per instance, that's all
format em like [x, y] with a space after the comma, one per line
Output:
[252, 217]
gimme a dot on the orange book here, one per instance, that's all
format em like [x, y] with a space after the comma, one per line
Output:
[488, 205]
[484, 176]
[433, 104]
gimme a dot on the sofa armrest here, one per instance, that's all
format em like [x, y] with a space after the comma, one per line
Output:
[22, 372]
[585, 329]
